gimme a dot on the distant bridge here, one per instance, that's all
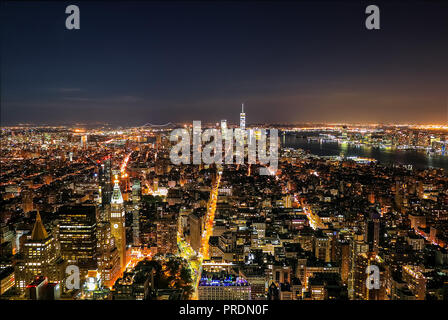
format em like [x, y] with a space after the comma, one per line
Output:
[166, 125]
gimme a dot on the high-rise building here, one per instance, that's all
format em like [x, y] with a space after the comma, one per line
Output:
[158, 141]
[136, 191]
[322, 247]
[7, 279]
[108, 256]
[242, 118]
[40, 257]
[136, 194]
[84, 141]
[358, 246]
[78, 236]
[416, 281]
[195, 223]
[344, 247]
[167, 236]
[361, 291]
[7, 240]
[117, 222]
[27, 201]
[373, 231]
[223, 128]
[105, 181]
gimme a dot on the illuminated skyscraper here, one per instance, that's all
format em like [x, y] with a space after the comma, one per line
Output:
[242, 118]
[136, 192]
[27, 201]
[223, 128]
[358, 246]
[40, 258]
[105, 177]
[373, 231]
[117, 222]
[322, 247]
[77, 236]
[108, 256]
[195, 223]
[361, 291]
[240, 136]
[167, 235]
[84, 141]
[345, 260]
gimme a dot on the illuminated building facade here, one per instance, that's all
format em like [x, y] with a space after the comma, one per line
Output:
[416, 281]
[27, 201]
[105, 186]
[84, 141]
[78, 236]
[40, 258]
[7, 279]
[117, 222]
[195, 222]
[167, 236]
[42, 289]
[223, 286]
[136, 195]
[108, 256]
[357, 246]
[362, 292]
[322, 247]
[223, 128]
[373, 231]
[242, 118]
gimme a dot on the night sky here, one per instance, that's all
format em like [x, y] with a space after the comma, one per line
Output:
[133, 63]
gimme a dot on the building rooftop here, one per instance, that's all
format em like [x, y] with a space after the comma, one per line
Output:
[39, 232]
[221, 280]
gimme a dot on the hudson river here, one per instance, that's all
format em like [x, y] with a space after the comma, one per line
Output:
[418, 159]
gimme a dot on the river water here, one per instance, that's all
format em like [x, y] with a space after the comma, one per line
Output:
[418, 159]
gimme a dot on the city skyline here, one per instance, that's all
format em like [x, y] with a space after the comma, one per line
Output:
[248, 152]
[288, 62]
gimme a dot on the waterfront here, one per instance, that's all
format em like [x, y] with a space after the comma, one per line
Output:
[418, 159]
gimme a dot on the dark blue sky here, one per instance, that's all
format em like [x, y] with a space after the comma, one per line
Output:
[132, 63]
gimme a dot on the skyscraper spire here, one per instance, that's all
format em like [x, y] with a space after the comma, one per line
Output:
[39, 232]
[117, 221]
[242, 118]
